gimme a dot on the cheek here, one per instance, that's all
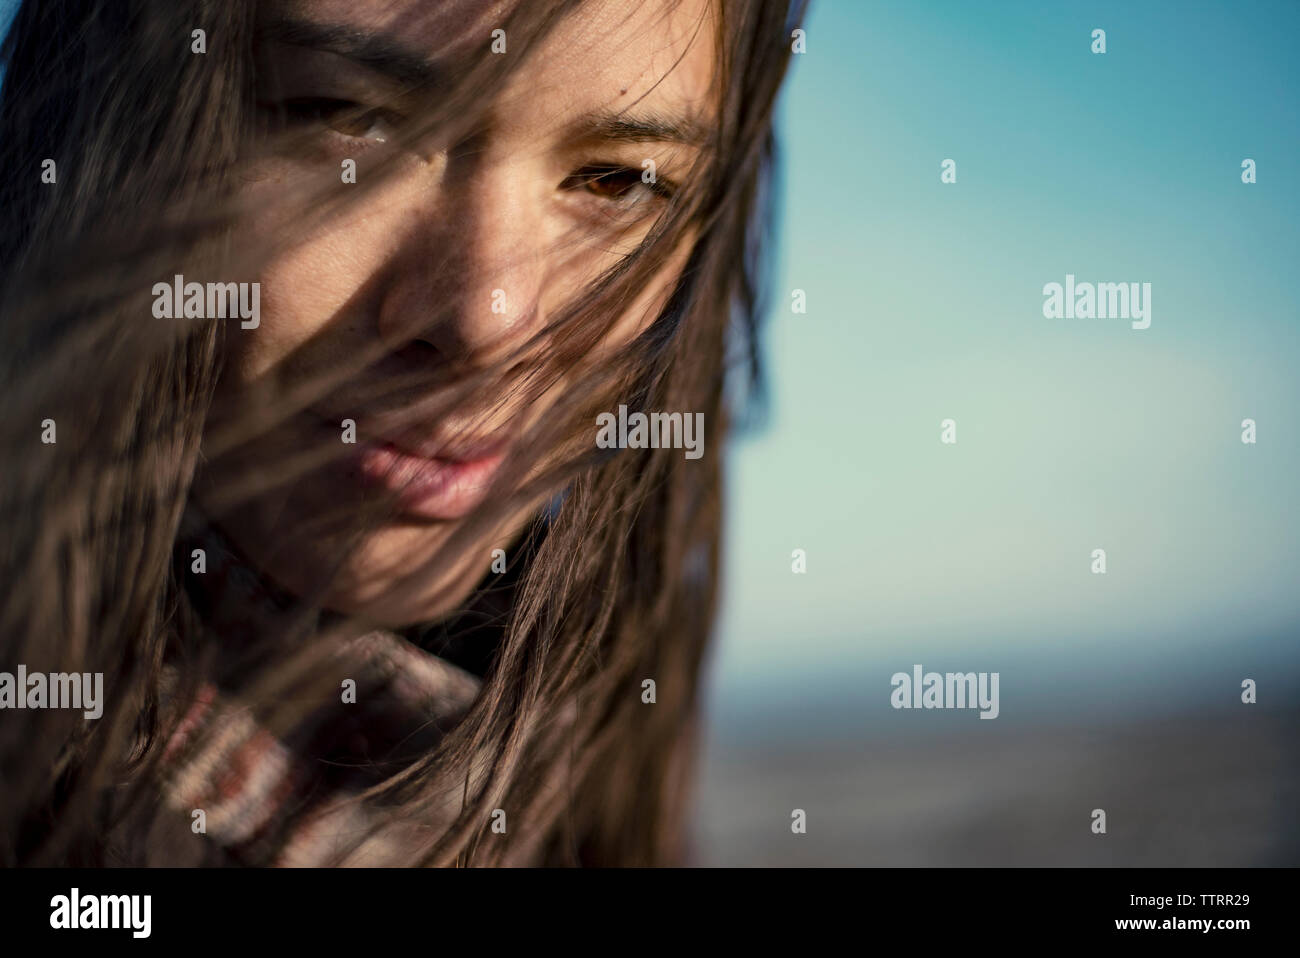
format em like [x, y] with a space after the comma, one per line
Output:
[315, 288]
[647, 307]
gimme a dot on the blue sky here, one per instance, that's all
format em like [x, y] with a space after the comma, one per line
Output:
[925, 303]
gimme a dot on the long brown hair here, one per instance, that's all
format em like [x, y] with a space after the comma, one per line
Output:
[619, 580]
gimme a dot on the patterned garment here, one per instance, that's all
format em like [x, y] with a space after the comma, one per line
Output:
[291, 798]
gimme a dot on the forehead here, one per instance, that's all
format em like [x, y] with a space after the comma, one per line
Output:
[607, 54]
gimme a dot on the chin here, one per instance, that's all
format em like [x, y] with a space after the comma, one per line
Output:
[369, 583]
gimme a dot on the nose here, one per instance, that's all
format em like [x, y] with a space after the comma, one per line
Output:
[469, 274]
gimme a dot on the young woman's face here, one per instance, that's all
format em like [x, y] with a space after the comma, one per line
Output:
[459, 256]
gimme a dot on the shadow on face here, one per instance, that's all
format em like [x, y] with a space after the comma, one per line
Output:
[436, 258]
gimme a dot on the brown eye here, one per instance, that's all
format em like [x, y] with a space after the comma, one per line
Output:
[618, 184]
[614, 183]
[342, 116]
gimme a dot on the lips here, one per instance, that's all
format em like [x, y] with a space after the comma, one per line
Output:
[431, 474]
[441, 486]
[457, 449]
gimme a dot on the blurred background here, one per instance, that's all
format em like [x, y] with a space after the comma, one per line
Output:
[924, 302]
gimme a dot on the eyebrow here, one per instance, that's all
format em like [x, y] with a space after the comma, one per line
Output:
[384, 55]
[367, 48]
[646, 127]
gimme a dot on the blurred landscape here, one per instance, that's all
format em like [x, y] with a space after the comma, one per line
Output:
[1193, 792]
[924, 300]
